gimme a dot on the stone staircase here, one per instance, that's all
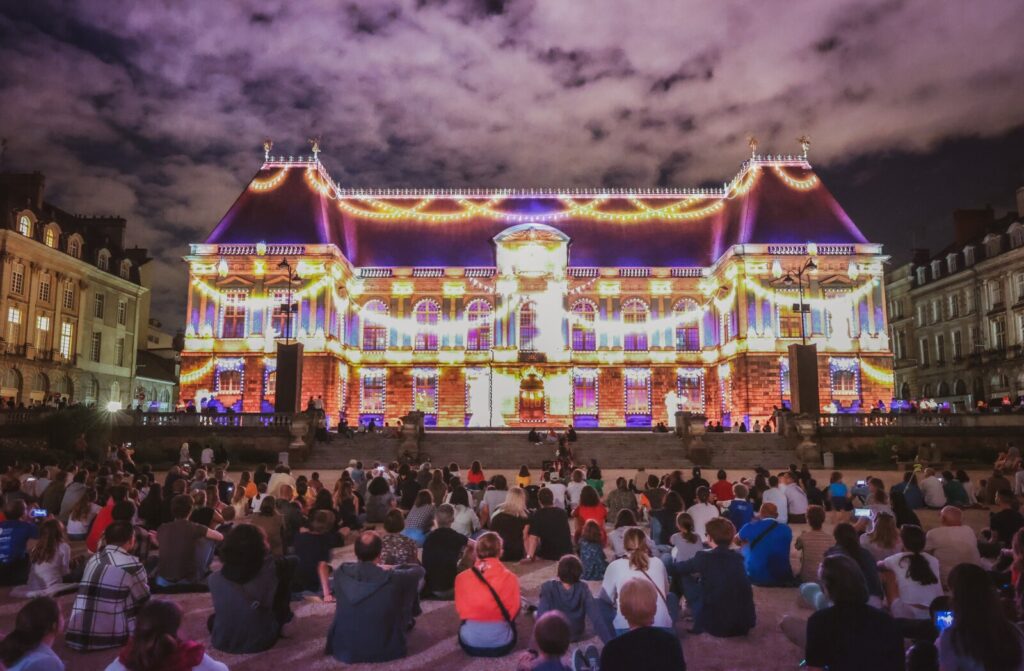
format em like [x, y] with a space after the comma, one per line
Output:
[508, 449]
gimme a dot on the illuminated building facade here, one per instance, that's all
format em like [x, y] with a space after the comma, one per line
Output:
[597, 307]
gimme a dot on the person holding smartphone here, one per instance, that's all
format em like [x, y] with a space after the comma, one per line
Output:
[15, 533]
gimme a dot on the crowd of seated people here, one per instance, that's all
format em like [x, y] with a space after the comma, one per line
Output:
[636, 564]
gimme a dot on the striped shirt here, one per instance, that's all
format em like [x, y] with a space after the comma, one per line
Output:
[812, 545]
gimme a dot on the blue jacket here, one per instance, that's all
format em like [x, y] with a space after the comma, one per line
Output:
[727, 603]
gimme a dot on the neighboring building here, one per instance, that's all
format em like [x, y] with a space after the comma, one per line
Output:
[69, 296]
[963, 314]
[512, 307]
[156, 382]
[157, 338]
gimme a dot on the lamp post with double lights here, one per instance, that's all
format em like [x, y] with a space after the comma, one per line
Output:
[800, 307]
[289, 308]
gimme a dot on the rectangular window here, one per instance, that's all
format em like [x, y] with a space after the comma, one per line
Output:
[995, 293]
[96, 346]
[371, 399]
[969, 301]
[1020, 287]
[936, 313]
[924, 351]
[920, 314]
[687, 338]
[999, 333]
[690, 389]
[42, 332]
[280, 315]
[638, 392]
[67, 330]
[789, 322]
[958, 345]
[233, 321]
[44, 288]
[954, 306]
[940, 348]
[119, 352]
[975, 334]
[18, 278]
[424, 391]
[584, 393]
[13, 326]
[845, 377]
[122, 312]
[99, 303]
[69, 296]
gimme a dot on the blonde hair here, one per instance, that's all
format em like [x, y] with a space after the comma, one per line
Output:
[885, 534]
[635, 543]
[515, 503]
[638, 602]
[51, 536]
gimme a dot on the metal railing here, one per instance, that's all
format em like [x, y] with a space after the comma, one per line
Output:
[907, 422]
[227, 420]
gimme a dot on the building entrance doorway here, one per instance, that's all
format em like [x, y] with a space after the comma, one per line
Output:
[531, 399]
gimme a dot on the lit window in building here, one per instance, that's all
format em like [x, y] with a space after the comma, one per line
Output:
[687, 314]
[638, 392]
[229, 382]
[427, 314]
[634, 319]
[103, 260]
[119, 352]
[845, 376]
[478, 335]
[789, 322]
[375, 334]
[126, 268]
[280, 317]
[122, 312]
[528, 327]
[233, 325]
[97, 346]
[371, 401]
[25, 226]
[44, 288]
[424, 393]
[50, 237]
[999, 333]
[42, 331]
[13, 326]
[68, 299]
[690, 388]
[584, 393]
[270, 387]
[584, 337]
[67, 331]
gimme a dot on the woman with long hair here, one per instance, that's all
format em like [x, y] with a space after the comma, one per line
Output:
[911, 578]
[590, 508]
[437, 486]
[904, 514]
[250, 593]
[29, 646]
[50, 561]
[638, 563]
[379, 499]
[981, 637]
[156, 646]
[663, 521]
[347, 504]
[82, 514]
[272, 523]
[848, 543]
[509, 522]
[884, 540]
[466, 521]
[475, 478]
[152, 507]
[969, 489]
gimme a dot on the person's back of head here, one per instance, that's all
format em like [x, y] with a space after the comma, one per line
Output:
[634, 541]
[570, 569]
[703, 494]
[847, 539]
[638, 602]
[125, 511]
[773, 481]
[815, 517]
[769, 511]
[156, 635]
[444, 516]
[36, 620]
[545, 498]
[722, 475]
[368, 546]
[181, 506]
[488, 546]
[118, 493]
[721, 531]
[625, 518]
[981, 631]
[119, 533]
[843, 580]
[551, 631]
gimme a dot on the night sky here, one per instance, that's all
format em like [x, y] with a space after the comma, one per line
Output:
[157, 110]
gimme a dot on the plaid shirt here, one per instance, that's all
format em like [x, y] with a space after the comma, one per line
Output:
[112, 591]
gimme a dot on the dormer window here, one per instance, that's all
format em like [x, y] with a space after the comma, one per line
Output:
[75, 246]
[1016, 232]
[922, 275]
[103, 260]
[968, 257]
[951, 263]
[936, 269]
[126, 269]
[992, 245]
[25, 225]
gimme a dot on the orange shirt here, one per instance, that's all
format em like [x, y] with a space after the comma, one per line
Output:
[475, 478]
[473, 601]
[597, 513]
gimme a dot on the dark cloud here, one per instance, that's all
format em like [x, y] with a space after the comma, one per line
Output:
[158, 113]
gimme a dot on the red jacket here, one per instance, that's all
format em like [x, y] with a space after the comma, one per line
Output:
[473, 601]
[103, 519]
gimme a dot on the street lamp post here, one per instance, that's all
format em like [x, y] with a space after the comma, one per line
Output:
[810, 265]
[289, 308]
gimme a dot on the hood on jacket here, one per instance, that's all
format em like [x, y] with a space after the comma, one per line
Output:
[359, 581]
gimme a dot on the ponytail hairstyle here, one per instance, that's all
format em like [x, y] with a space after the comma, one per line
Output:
[635, 543]
[36, 619]
[684, 522]
[918, 569]
[156, 635]
[51, 535]
[703, 494]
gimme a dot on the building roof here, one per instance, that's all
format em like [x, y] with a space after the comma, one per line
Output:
[772, 200]
[155, 367]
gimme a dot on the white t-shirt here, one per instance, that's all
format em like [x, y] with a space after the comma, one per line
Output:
[80, 527]
[558, 491]
[702, 513]
[934, 496]
[616, 540]
[574, 489]
[796, 500]
[619, 572]
[207, 455]
[912, 592]
[778, 497]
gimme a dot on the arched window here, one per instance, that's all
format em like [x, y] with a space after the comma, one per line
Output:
[687, 316]
[126, 269]
[926, 391]
[584, 336]
[478, 333]
[427, 314]
[943, 389]
[528, 327]
[634, 319]
[51, 236]
[115, 391]
[103, 260]
[960, 388]
[75, 246]
[25, 225]
[375, 334]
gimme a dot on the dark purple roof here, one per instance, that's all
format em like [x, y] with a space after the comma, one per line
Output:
[782, 205]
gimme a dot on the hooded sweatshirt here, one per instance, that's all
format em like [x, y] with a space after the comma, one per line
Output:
[373, 612]
[576, 603]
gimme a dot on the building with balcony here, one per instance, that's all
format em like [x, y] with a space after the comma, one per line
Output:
[959, 336]
[515, 307]
[69, 294]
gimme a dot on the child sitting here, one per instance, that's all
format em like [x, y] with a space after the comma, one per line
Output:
[567, 595]
[812, 545]
[686, 543]
[551, 632]
[592, 551]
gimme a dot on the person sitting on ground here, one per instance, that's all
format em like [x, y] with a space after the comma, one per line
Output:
[523, 478]
[475, 478]
[952, 543]
[379, 500]
[981, 636]
[954, 490]
[796, 500]
[836, 637]
[493, 497]
[702, 511]
[848, 543]
[186, 548]
[645, 645]
[766, 544]
[547, 534]
[112, 590]
[397, 548]
[375, 606]
[588, 508]
[723, 602]
[15, 533]
[251, 593]
[722, 489]
[551, 633]
[510, 522]
[812, 545]
[554, 483]
[620, 499]
[663, 520]
[290, 509]
[313, 550]
[884, 538]
[118, 493]
[487, 600]
[157, 644]
[594, 478]
[282, 476]
[420, 519]
[572, 598]
[72, 494]
[1007, 519]
[270, 521]
[51, 563]
[574, 488]
[776, 495]
[592, 551]
[931, 488]
[443, 550]
[29, 646]
[625, 521]
[911, 578]
[740, 510]
[636, 564]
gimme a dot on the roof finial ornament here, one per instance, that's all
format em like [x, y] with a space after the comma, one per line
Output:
[805, 143]
[268, 144]
[752, 143]
[314, 142]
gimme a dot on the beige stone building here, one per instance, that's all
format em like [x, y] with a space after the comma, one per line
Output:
[70, 292]
[957, 316]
